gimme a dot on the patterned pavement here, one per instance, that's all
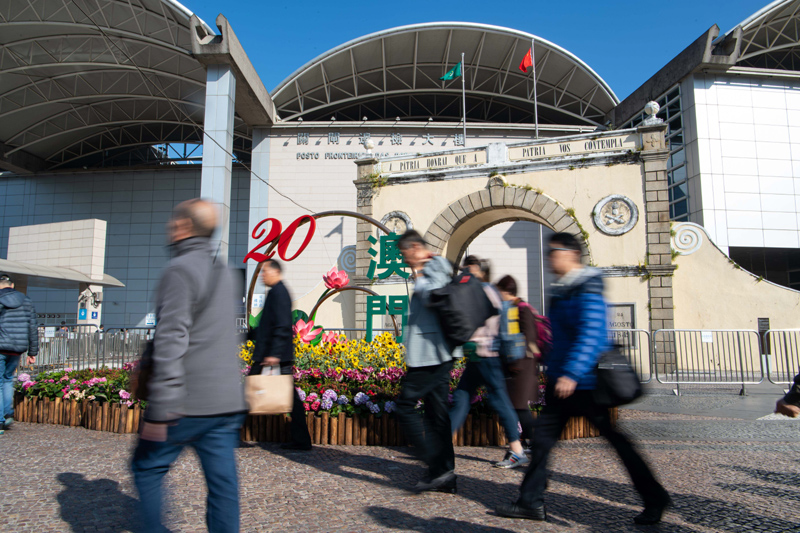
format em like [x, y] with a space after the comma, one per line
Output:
[723, 475]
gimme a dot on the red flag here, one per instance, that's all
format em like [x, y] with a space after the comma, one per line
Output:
[527, 61]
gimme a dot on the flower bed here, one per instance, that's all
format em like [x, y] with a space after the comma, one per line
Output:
[348, 388]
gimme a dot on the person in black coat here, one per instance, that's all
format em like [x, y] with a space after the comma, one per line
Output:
[274, 345]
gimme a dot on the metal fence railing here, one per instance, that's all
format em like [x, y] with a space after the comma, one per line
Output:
[721, 357]
[782, 352]
[124, 345]
[68, 346]
[635, 345]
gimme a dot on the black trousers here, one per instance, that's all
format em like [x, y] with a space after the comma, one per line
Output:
[297, 427]
[429, 434]
[549, 425]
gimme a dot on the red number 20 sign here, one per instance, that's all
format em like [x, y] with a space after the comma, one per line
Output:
[283, 238]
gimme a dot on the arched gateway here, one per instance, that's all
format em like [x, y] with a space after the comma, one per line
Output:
[593, 186]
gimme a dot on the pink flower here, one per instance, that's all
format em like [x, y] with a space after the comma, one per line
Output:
[28, 384]
[330, 337]
[306, 330]
[124, 394]
[315, 406]
[335, 279]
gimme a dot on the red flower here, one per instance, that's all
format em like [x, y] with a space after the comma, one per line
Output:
[315, 405]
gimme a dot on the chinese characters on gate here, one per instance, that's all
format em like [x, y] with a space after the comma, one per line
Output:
[387, 260]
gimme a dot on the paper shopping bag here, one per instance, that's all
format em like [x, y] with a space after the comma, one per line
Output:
[269, 394]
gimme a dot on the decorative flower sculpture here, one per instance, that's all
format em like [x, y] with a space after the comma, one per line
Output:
[331, 337]
[335, 279]
[306, 330]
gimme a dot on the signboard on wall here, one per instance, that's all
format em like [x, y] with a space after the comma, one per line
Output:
[567, 148]
[150, 319]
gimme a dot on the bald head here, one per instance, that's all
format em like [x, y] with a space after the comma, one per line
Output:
[193, 218]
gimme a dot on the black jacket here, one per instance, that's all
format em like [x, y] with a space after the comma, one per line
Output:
[274, 337]
[18, 331]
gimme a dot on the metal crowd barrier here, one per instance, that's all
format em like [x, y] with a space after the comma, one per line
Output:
[73, 346]
[720, 357]
[635, 345]
[782, 351]
[124, 345]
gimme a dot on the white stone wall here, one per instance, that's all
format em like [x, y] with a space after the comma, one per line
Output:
[743, 145]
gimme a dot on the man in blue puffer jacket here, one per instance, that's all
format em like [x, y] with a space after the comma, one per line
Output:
[580, 336]
[18, 334]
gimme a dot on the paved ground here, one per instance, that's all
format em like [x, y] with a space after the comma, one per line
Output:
[725, 475]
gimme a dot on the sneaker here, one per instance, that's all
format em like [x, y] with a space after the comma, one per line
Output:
[8, 423]
[517, 511]
[512, 460]
[1, 432]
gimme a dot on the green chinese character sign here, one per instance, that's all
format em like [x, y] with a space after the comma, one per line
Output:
[390, 260]
[378, 306]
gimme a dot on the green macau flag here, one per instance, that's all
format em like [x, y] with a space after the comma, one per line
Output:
[453, 73]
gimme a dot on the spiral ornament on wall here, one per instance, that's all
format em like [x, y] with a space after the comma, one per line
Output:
[347, 259]
[688, 238]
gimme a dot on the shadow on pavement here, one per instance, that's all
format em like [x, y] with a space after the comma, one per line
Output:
[95, 504]
[394, 519]
[696, 510]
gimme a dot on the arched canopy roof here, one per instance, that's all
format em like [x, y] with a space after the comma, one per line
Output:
[83, 80]
[395, 73]
[770, 37]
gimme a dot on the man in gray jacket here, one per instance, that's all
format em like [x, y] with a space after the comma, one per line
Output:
[195, 394]
[429, 359]
[18, 334]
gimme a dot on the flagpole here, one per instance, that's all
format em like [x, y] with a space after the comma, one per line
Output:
[464, 95]
[535, 101]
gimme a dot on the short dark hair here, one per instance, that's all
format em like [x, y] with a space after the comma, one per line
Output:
[566, 240]
[472, 260]
[273, 263]
[409, 238]
[507, 284]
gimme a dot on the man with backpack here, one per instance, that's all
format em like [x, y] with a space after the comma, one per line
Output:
[429, 358]
[18, 334]
[580, 337]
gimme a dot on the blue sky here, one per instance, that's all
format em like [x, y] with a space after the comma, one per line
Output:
[625, 42]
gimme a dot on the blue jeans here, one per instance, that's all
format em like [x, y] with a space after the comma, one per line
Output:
[487, 371]
[8, 364]
[214, 438]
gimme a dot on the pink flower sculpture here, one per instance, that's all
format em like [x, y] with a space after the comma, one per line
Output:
[330, 337]
[306, 330]
[335, 279]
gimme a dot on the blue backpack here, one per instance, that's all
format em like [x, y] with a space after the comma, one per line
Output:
[510, 342]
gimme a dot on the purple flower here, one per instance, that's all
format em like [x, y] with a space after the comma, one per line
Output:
[301, 393]
[24, 377]
[389, 406]
[330, 394]
[361, 398]
[326, 403]
[342, 400]
[373, 408]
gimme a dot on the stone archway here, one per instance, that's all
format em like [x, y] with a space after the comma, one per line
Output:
[461, 220]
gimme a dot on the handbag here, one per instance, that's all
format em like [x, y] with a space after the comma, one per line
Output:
[617, 382]
[269, 394]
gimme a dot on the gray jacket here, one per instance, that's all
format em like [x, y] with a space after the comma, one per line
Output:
[425, 342]
[195, 365]
[18, 331]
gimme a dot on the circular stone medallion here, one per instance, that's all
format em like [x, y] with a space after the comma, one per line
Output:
[615, 214]
[398, 222]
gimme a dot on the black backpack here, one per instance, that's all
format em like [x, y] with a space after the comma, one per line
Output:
[462, 306]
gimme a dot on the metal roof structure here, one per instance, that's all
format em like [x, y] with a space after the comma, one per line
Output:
[53, 277]
[395, 73]
[770, 38]
[84, 81]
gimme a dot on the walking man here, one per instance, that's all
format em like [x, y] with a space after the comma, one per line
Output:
[195, 394]
[275, 346]
[580, 336]
[18, 334]
[429, 360]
